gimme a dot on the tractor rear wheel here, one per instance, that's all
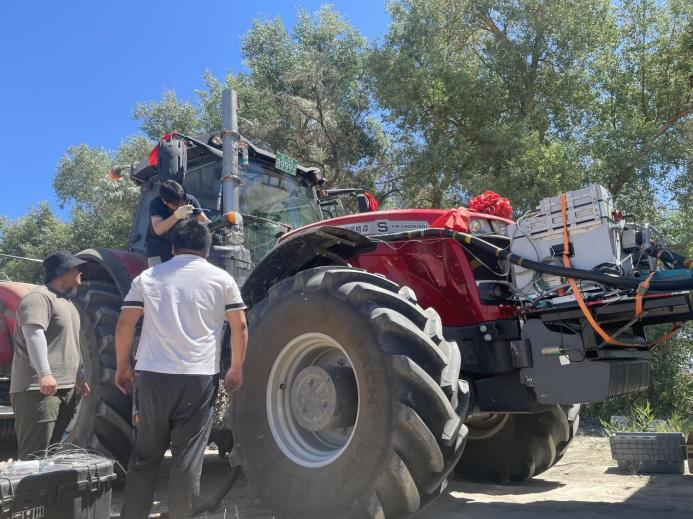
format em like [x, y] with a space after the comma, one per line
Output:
[516, 447]
[352, 405]
[104, 420]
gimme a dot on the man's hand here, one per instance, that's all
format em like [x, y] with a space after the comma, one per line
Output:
[82, 388]
[233, 380]
[124, 379]
[48, 385]
[125, 333]
[183, 211]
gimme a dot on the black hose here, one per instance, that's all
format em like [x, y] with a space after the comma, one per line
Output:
[588, 275]
[213, 503]
[205, 506]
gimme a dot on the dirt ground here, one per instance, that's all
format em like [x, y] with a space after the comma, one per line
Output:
[585, 485]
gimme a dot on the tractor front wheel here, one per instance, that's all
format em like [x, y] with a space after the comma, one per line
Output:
[351, 405]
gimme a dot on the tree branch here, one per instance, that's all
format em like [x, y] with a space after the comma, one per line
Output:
[488, 24]
[621, 180]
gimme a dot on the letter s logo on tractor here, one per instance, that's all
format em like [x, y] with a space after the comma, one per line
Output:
[387, 226]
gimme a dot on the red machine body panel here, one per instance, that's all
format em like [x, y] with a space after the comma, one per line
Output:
[10, 295]
[439, 272]
[134, 263]
[437, 269]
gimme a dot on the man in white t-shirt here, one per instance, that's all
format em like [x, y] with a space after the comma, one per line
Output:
[185, 302]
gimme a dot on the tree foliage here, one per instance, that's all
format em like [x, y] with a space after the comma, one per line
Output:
[306, 94]
[167, 115]
[101, 210]
[533, 97]
[35, 235]
[315, 78]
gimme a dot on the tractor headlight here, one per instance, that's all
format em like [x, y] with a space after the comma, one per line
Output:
[235, 238]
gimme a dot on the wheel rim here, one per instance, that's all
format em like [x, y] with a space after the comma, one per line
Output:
[486, 425]
[312, 400]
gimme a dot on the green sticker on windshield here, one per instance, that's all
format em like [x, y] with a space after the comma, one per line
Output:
[286, 164]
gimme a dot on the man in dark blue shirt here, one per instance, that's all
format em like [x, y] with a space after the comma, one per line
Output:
[171, 206]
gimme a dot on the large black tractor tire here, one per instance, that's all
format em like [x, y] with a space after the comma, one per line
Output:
[572, 413]
[352, 405]
[515, 447]
[104, 420]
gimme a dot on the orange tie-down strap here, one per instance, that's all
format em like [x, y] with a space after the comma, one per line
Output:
[642, 289]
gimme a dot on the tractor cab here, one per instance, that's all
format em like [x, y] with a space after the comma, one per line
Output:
[274, 196]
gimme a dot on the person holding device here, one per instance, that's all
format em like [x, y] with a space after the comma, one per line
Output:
[165, 211]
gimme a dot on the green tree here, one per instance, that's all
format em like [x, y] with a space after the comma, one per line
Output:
[638, 132]
[169, 114]
[535, 97]
[35, 235]
[316, 80]
[485, 94]
[102, 209]
[306, 94]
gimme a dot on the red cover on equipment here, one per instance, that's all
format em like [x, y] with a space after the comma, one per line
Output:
[454, 219]
[154, 154]
[372, 202]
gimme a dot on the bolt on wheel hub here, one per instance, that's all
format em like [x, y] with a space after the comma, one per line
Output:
[313, 398]
[324, 398]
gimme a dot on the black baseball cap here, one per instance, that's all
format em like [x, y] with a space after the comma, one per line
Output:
[58, 264]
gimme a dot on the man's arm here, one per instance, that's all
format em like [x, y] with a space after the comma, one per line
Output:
[239, 344]
[37, 347]
[201, 216]
[124, 337]
[162, 226]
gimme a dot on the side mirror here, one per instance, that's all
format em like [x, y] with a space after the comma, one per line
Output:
[363, 204]
[173, 159]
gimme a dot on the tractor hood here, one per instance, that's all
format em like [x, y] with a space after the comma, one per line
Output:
[402, 220]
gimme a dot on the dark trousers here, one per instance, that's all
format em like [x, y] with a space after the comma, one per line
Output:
[175, 411]
[41, 420]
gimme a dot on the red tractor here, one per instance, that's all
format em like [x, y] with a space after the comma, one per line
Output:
[389, 349]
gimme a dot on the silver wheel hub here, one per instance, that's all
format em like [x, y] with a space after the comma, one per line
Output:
[312, 400]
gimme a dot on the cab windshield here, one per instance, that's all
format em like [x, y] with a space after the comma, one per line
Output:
[277, 197]
[272, 203]
[264, 193]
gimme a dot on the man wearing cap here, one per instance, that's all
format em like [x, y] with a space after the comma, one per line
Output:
[46, 357]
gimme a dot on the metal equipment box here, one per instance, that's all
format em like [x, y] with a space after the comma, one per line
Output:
[594, 237]
[75, 486]
[646, 452]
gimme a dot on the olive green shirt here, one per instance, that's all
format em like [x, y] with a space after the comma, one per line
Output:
[58, 317]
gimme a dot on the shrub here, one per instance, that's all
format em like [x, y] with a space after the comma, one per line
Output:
[642, 419]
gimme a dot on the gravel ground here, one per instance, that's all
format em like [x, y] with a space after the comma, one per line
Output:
[585, 485]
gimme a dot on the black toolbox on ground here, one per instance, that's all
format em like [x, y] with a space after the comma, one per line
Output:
[64, 486]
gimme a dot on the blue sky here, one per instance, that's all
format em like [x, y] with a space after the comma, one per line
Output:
[73, 71]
